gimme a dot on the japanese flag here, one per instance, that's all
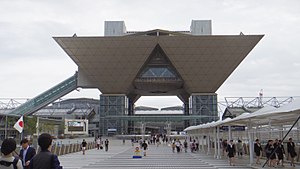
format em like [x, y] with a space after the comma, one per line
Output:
[19, 125]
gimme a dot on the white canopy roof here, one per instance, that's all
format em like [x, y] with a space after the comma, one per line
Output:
[284, 115]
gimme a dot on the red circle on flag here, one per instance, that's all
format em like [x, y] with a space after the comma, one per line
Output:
[21, 123]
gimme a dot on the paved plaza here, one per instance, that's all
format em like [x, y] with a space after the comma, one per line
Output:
[120, 156]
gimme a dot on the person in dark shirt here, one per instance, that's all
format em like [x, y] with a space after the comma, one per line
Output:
[291, 151]
[280, 153]
[185, 144]
[144, 146]
[106, 142]
[83, 146]
[26, 153]
[224, 146]
[45, 159]
[257, 150]
[231, 152]
[271, 157]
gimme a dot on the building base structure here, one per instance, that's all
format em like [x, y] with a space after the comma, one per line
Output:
[117, 114]
[112, 107]
[204, 105]
[125, 65]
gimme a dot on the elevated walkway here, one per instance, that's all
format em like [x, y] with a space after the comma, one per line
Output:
[46, 97]
[157, 118]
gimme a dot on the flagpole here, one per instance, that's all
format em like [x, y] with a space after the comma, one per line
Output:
[22, 134]
[37, 126]
[37, 132]
[19, 125]
[5, 136]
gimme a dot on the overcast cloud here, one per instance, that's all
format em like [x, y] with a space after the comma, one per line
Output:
[31, 62]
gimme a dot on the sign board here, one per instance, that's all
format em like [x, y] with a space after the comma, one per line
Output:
[233, 128]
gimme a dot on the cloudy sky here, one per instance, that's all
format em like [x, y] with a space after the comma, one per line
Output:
[31, 62]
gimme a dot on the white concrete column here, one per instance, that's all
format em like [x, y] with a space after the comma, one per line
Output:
[143, 130]
[282, 134]
[202, 141]
[251, 146]
[229, 133]
[5, 130]
[218, 143]
[270, 130]
[169, 131]
[298, 128]
[208, 141]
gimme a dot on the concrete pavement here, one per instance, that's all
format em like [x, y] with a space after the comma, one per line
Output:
[120, 156]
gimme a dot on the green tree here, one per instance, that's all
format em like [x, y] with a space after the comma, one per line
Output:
[29, 125]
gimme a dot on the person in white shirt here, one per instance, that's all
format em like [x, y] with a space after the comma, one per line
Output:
[98, 141]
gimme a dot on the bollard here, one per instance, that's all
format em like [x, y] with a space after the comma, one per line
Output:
[59, 152]
[67, 149]
[298, 155]
[63, 149]
[73, 148]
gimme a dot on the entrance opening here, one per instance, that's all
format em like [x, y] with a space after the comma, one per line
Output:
[159, 105]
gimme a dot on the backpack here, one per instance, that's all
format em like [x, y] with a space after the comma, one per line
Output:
[7, 164]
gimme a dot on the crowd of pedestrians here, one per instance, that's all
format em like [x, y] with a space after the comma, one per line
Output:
[273, 150]
[28, 159]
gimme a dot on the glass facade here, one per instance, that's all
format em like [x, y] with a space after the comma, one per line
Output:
[158, 72]
[112, 106]
[158, 66]
[204, 105]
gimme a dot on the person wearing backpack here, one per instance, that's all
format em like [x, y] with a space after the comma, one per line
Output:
[8, 161]
[45, 159]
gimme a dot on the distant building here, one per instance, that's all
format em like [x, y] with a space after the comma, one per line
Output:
[125, 65]
[72, 109]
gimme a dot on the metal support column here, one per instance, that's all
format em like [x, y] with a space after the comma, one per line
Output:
[251, 145]
[168, 130]
[229, 133]
[143, 130]
[5, 132]
[218, 143]
[208, 142]
[215, 143]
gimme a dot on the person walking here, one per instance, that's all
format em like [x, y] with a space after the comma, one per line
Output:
[106, 143]
[224, 146]
[291, 151]
[144, 146]
[280, 153]
[45, 159]
[178, 144]
[185, 144]
[239, 147]
[258, 151]
[271, 157]
[83, 146]
[7, 160]
[173, 146]
[231, 152]
[26, 153]
[98, 142]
